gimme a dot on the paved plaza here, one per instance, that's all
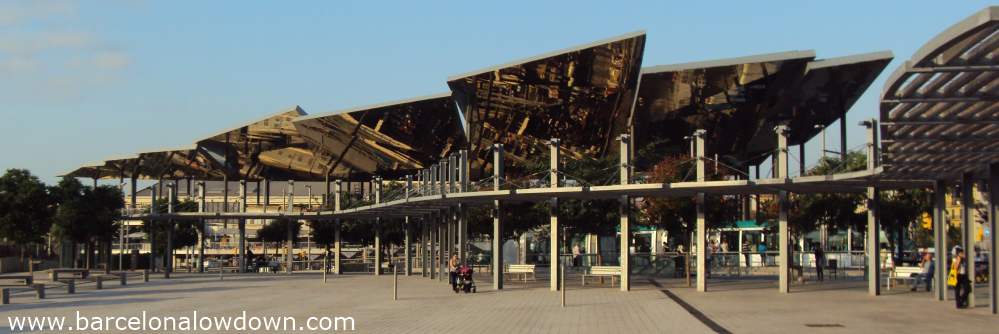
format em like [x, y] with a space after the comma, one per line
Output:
[746, 305]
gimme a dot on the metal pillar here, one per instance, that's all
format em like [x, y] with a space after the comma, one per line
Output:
[339, 226]
[201, 227]
[784, 235]
[290, 240]
[431, 246]
[701, 228]
[554, 234]
[242, 227]
[376, 183]
[441, 256]
[842, 136]
[407, 253]
[267, 194]
[968, 230]
[873, 222]
[940, 239]
[993, 241]
[171, 194]
[624, 212]
[152, 226]
[497, 219]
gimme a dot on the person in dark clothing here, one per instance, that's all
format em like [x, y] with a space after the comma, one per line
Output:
[820, 261]
[963, 287]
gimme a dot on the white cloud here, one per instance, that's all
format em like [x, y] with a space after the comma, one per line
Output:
[48, 54]
[17, 64]
[14, 12]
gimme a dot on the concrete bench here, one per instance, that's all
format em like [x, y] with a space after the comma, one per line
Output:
[603, 271]
[26, 279]
[54, 273]
[522, 269]
[5, 293]
[904, 274]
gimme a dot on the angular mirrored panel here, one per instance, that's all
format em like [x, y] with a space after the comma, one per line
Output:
[830, 88]
[738, 101]
[582, 96]
[267, 149]
[390, 140]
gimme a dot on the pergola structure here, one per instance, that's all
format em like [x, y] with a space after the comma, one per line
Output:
[941, 122]
[596, 101]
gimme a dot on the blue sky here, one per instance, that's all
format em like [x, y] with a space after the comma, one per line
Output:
[81, 81]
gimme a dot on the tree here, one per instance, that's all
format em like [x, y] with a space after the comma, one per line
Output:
[87, 215]
[72, 211]
[277, 231]
[323, 233]
[677, 215]
[25, 209]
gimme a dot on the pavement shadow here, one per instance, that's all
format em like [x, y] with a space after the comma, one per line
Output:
[94, 302]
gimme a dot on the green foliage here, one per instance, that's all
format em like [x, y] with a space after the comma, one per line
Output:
[86, 214]
[322, 232]
[25, 207]
[678, 215]
[185, 232]
[277, 230]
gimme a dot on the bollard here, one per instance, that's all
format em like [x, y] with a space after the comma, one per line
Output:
[395, 283]
[562, 274]
[123, 279]
[220, 273]
[99, 280]
[71, 286]
[145, 275]
[40, 290]
[166, 274]
[6, 296]
[326, 268]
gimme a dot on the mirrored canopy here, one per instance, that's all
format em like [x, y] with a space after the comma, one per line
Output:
[738, 101]
[390, 140]
[270, 148]
[581, 95]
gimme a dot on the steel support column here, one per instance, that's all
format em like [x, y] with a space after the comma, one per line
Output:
[201, 227]
[554, 227]
[873, 214]
[171, 199]
[993, 241]
[784, 237]
[290, 239]
[241, 261]
[940, 239]
[497, 219]
[407, 254]
[701, 227]
[624, 212]
[337, 194]
[968, 232]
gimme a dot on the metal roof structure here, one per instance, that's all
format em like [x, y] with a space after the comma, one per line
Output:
[270, 148]
[389, 139]
[939, 113]
[586, 96]
[582, 95]
[740, 100]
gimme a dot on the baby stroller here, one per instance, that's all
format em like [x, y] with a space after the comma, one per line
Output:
[464, 279]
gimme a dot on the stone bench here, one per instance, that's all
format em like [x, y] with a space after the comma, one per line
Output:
[5, 293]
[26, 279]
[54, 273]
